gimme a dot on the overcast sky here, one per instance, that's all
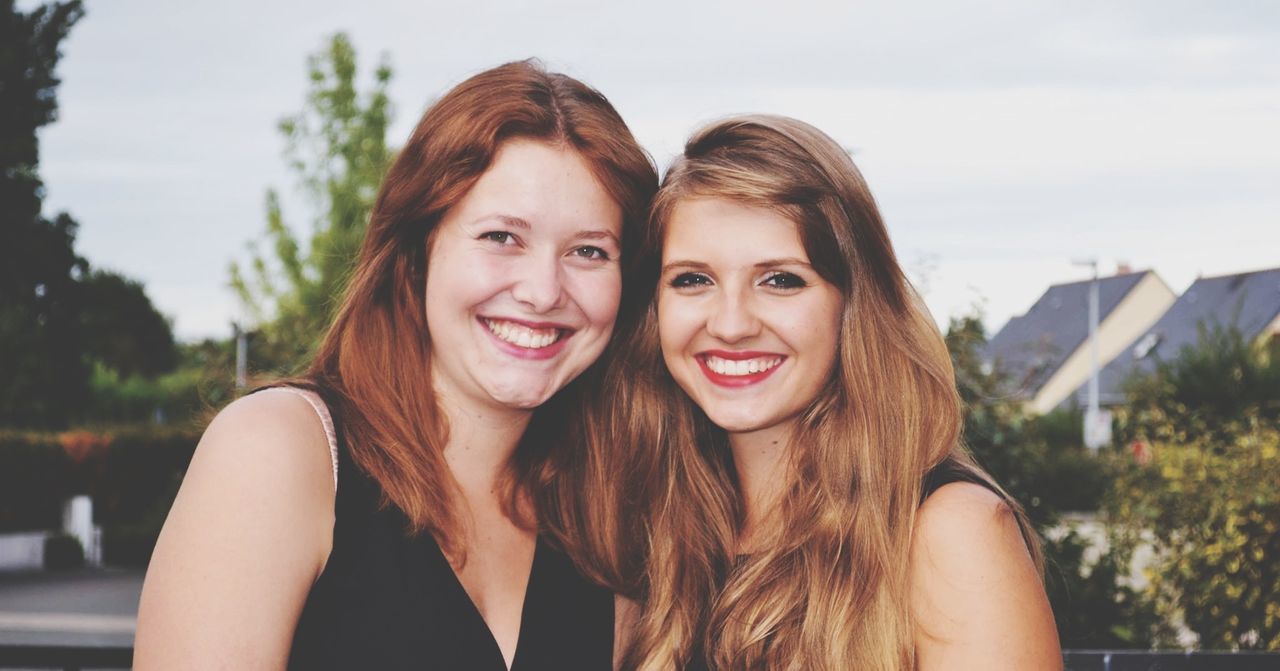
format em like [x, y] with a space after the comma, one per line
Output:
[1002, 140]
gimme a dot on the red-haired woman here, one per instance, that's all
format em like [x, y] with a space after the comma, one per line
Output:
[407, 503]
[813, 508]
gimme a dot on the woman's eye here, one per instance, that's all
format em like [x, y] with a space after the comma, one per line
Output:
[500, 237]
[685, 280]
[785, 281]
[593, 253]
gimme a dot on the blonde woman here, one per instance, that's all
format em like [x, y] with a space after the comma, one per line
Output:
[812, 506]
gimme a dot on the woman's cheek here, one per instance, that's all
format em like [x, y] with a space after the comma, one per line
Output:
[599, 294]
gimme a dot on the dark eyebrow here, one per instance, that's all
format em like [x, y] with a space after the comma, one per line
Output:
[598, 235]
[691, 265]
[789, 261]
[515, 222]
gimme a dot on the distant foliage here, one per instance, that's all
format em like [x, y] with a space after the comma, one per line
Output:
[202, 380]
[336, 147]
[122, 329]
[1040, 460]
[63, 552]
[58, 320]
[1209, 498]
[1093, 603]
[132, 474]
[1042, 463]
[42, 377]
[1213, 390]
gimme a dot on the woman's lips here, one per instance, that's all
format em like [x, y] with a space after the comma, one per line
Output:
[738, 369]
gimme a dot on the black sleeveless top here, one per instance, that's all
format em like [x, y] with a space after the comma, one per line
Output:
[943, 474]
[390, 601]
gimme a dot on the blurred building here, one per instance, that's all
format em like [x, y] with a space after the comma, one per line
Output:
[1248, 302]
[1044, 354]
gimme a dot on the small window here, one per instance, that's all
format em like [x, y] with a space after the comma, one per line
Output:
[1143, 348]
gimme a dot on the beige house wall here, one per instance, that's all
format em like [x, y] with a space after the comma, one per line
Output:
[1137, 311]
[1274, 328]
[1269, 340]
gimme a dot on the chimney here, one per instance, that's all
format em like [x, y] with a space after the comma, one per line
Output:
[1123, 268]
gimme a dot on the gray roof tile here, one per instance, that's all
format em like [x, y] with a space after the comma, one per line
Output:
[1030, 348]
[1249, 301]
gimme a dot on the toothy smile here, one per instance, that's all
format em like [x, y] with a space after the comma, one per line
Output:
[523, 336]
[721, 366]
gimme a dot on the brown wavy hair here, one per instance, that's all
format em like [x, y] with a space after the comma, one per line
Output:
[374, 363]
[828, 587]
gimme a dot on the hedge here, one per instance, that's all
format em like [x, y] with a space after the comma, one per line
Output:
[132, 475]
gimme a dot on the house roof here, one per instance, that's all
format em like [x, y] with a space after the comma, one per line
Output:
[1030, 348]
[1249, 301]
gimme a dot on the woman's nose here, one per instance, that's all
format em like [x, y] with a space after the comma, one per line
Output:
[539, 284]
[733, 318]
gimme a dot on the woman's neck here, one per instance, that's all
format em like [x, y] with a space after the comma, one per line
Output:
[481, 442]
[760, 459]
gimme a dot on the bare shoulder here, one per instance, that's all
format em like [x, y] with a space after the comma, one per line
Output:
[280, 416]
[976, 594]
[248, 534]
[272, 442]
[963, 517]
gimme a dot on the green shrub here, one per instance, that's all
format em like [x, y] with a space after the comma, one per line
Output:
[63, 552]
[130, 473]
[1093, 606]
[129, 545]
[1041, 462]
[36, 476]
[176, 397]
[1211, 509]
[138, 473]
[1207, 500]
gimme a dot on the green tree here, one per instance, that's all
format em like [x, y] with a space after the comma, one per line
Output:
[43, 378]
[1207, 501]
[336, 147]
[59, 322]
[123, 330]
[1208, 391]
[1039, 460]
[1042, 463]
[202, 381]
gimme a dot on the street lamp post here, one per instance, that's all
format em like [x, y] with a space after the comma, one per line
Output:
[1097, 424]
[242, 356]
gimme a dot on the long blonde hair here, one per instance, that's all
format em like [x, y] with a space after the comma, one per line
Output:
[828, 588]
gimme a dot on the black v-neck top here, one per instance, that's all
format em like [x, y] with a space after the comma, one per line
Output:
[390, 601]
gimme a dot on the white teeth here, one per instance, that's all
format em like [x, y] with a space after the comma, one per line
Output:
[522, 336]
[741, 367]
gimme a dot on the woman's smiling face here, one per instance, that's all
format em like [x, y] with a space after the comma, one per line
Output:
[523, 280]
[749, 330]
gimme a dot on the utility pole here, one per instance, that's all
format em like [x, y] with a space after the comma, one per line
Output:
[1097, 424]
[242, 356]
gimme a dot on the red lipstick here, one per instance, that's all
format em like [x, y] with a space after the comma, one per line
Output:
[737, 380]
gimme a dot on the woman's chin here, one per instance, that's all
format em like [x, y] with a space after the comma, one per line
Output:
[521, 397]
[733, 423]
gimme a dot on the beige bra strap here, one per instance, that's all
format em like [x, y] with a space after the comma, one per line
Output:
[325, 419]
